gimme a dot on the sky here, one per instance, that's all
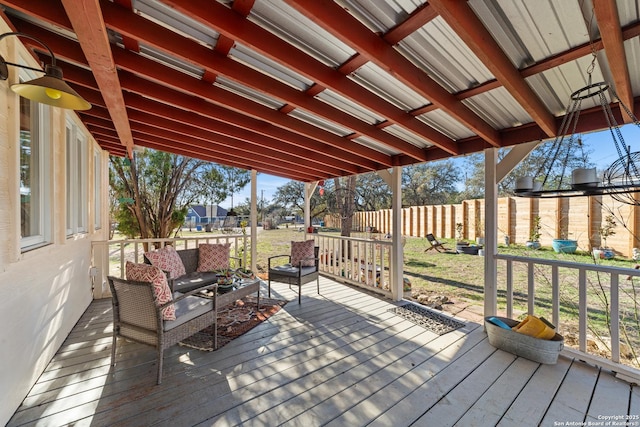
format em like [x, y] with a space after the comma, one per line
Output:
[600, 143]
[267, 187]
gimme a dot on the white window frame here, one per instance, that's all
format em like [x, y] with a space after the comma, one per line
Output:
[40, 138]
[76, 178]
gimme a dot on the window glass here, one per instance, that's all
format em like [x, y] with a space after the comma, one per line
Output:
[76, 180]
[34, 170]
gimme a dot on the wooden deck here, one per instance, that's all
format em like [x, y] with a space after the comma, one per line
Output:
[340, 359]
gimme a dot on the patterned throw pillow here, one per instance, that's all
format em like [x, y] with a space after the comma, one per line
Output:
[213, 256]
[167, 259]
[161, 291]
[300, 250]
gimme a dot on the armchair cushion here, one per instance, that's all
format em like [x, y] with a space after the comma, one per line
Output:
[167, 259]
[302, 252]
[161, 291]
[290, 270]
[213, 256]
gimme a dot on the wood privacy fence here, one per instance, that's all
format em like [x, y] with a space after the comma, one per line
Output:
[578, 218]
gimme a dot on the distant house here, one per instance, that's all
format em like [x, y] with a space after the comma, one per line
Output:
[199, 214]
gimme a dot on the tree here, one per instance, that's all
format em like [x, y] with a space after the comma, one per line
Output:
[212, 184]
[233, 180]
[291, 197]
[154, 191]
[345, 198]
[429, 183]
[372, 192]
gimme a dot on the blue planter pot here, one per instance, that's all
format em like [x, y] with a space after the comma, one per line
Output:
[532, 244]
[565, 246]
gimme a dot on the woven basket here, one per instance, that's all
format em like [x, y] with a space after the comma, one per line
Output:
[541, 351]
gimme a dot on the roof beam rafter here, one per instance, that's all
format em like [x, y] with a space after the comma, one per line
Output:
[466, 24]
[152, 34]
[609, 24]
[163, 84]
[233, 25]
[86, 19]
[333, 18]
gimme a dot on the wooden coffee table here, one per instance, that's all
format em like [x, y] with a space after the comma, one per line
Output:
[244, 288]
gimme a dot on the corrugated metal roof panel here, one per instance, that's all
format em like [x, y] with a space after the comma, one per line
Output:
[380, 15]
[271, 68]
[247, 92]
[632, 49]
[445, 124]
[410, 137]
[498, 108]
[529, 31]
[375, 145]
[437, 50]
[288, 24]
[170, 18]
[170, 61]
[555, 86]
[343, 104]
[388, 87]
[320, 122]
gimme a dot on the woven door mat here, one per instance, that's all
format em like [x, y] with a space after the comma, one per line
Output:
[428, 319]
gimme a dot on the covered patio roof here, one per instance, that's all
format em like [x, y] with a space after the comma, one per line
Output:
[309, 90]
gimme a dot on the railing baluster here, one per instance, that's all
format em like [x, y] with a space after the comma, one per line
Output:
[510, 289]
[531, 301]
[582, 307]
[615, 318]
[555, 295]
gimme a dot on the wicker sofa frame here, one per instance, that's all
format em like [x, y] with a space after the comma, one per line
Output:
[193, 278]
[136, 316]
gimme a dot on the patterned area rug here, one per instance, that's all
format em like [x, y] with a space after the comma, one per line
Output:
[428, 319]
[233, 321]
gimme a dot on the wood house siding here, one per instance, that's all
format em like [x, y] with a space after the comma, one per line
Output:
[44, 290]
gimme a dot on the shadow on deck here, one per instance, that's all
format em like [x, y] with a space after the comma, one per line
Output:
[339, 358]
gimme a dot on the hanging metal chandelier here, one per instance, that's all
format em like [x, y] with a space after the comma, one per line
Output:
[621, 180]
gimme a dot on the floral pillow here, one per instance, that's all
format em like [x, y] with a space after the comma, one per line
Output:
[213, 256]
[161, 290]
[167, 259]
[300, 250]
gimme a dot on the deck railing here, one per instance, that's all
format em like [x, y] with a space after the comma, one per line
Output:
[109, 257]
[363, 262]
[589, 292]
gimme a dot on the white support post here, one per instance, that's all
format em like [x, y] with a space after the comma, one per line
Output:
[309, 188]
[397, 258]
[254, 218]
[491, 235]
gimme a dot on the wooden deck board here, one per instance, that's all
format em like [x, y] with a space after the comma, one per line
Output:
[634, 402]
[489, 409]
[449, 348]
[610, 397]
[458, 400]
[572, 399]
[532, 401]
[339, 358]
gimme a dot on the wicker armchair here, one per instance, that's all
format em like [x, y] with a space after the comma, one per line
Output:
[136, 317]
[294, 275]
